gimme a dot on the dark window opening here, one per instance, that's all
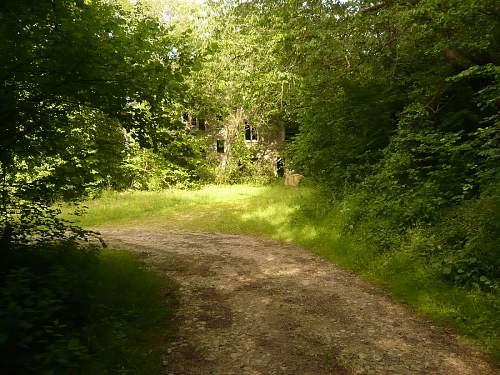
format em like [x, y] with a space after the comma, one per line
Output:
[201, 124]
[220, 146]
[291, 130]
[254, 133]
[250, 132]
[280, 168]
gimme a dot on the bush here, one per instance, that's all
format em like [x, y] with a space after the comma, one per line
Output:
[150, 171]
[178, 164]
[67, 308]
[468, 239]
[459, 242]
[45, 295]
[244, 165]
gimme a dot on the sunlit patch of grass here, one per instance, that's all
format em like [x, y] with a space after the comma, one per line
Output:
[304, 217]
[136, 207]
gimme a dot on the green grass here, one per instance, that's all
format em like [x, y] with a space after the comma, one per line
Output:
[304, 217]
[132, 313]
[71, 310]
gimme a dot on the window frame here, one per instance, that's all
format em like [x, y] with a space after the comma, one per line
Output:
[220, 145]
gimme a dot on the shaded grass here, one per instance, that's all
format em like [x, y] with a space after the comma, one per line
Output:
[66, 309]
[305, 217]
[132, 311]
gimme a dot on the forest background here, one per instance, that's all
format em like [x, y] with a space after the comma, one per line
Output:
[393, 107]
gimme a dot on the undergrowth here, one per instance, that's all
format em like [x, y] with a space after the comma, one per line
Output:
[69, 310]
[332, 228]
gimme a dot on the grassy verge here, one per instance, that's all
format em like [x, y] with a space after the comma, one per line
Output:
[302, 216]
[72, 310]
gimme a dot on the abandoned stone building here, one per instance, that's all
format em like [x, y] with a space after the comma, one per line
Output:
[224, 137]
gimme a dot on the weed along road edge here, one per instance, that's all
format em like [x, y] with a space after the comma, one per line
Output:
[252, 306]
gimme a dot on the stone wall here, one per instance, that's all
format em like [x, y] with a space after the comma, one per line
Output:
[267, 141]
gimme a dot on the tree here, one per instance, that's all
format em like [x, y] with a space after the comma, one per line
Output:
[71, 70]
[396, 101]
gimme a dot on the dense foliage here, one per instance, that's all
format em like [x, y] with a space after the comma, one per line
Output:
[397, 103]
[67, 310]
[390, 106]
[90, 98]
[82, 83]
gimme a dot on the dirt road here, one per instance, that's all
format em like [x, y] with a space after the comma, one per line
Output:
[252, 306]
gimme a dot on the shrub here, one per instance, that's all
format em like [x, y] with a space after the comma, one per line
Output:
[45, 297]
[468, 236]
[67, 309]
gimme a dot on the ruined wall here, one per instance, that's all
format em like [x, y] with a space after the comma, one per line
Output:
[229, 138]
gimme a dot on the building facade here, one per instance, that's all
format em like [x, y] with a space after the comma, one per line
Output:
[229, 139]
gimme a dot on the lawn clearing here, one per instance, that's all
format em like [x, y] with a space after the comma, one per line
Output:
[304, 217]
